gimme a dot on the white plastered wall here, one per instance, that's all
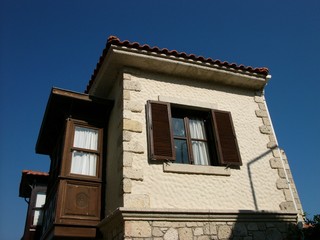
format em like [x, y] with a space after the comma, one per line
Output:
[252, 187]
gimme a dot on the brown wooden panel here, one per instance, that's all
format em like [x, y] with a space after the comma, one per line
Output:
[159, 128]
[81, 200]
[226, 138]
[68, 231]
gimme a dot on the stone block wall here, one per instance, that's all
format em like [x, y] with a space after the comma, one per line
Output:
[130, 224]
[162, 230]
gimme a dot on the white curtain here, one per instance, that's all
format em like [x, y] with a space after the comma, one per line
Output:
[199, 148]
[40, 201]
[85, 138]
[82, 162]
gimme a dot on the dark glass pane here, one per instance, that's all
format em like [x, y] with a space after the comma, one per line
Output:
[181, 151]
[178, 127]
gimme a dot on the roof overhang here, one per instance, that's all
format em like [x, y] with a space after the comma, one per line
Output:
[29, 179]
[64, 104]
[119, 57]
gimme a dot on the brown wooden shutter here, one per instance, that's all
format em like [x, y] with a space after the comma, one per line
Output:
[159, 129]
[226, 140]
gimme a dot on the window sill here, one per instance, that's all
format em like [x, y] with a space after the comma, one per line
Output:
[196, 169]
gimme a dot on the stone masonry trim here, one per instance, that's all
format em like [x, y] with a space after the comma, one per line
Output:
[131, 128]
[276, 163]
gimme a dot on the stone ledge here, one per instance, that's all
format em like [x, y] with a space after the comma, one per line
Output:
[200, 215]
[196, 169]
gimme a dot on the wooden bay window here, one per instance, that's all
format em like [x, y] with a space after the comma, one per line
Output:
[85, 148]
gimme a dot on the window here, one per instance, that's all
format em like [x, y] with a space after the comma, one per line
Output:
[85, 150]
[38, 209]
[192, 136]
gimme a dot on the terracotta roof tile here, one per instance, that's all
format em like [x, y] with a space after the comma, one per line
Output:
[28, 177]
[34, 173]
[113, 40]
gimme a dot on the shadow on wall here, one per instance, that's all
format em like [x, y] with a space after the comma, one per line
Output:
[249, 165]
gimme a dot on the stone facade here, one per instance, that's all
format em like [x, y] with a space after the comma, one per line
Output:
[279, 162]
[146, 184]
[162, 201]
[196, 226]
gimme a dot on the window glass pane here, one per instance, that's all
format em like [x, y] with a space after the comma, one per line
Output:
[84, 163]
[37, 217]
[197, 129]
[181, 151]
[178, 127]
[200, 153]
[85, 138]
[41, 199]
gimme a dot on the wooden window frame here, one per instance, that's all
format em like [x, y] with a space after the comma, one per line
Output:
[186, 115]
[69, 148]
[225, 146]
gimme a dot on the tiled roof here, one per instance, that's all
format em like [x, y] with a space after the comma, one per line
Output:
[28, 177]
[113, 40]
[34, 173]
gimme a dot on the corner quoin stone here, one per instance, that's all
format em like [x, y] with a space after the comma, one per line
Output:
[132, 125]
[137, 229]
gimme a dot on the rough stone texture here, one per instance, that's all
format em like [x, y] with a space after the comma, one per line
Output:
[282, 183]
[126, 137]
[252, 227]
[259, 99]
[224, 232]
[135, 174]
[240, 230]
[265, 129]
[287, 206]
[266, 121]
[134, 147]
[203, 238]
[167, 230]
[127, 185]
[261, 113]
[156, 232]
[171, 234]
[259, 235]
[126, 76]
[133, 106]
[137, 229]
[275, 163]
[132, 125]
[127, 159]
[271, 145]
[198, 231]
[262, 106]
[126, 94]
[185, 233]
[273, 234]
[127, 114]
[131, 85]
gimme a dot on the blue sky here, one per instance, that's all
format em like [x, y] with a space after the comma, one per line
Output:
[58, 43]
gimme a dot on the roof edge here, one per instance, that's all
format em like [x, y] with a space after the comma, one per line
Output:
[113, 40]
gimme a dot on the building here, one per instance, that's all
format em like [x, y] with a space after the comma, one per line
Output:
[165, 145]
[33, 187]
